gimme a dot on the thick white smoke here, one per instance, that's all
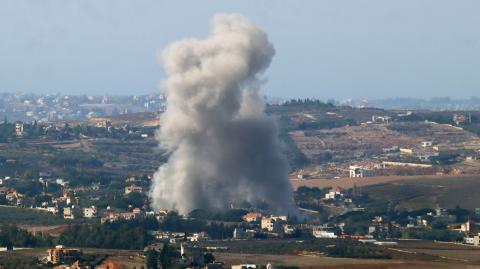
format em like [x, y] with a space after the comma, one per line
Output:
[223, 147]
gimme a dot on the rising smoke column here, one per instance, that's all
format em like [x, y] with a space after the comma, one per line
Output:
[222, 145]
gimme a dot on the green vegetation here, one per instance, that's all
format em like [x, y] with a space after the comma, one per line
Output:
[11, 236]
[175, 223]
[232, 215]
[332, 247]
[20, 263]
[28, 216]
[116, 235]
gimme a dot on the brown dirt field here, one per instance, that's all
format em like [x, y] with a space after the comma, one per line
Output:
[320, 262]
[347, 183]
[51, 230]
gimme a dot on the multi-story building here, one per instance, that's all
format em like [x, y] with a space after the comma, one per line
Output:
[61, 254]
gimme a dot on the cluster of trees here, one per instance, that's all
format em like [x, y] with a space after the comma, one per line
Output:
[12, 236]
[176, 223]
[116, 235]
[434, 234]
[22, 263]
[354, 249]
[165, 258]
[134, 199]
[308, 103]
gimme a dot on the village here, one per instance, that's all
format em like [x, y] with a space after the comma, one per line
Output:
[346, 191]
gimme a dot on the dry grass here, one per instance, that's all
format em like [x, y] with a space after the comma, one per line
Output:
[347, 183]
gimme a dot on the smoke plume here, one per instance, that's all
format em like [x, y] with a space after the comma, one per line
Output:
[223, 147]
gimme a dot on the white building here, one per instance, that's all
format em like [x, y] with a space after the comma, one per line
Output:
[427, 144]
[334, 193]
[244, 266]
[52, 209]
[68, 213]
[358, 171]
[90, 212]
[133, 188]
[19, 129]
[272, 224]
[320, 233]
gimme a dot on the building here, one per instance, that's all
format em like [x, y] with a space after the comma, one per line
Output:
[19, 131]
[252, 217]
[62, 254]
[70, 213]
[427, 144]
[320, 232]
[244, 266]
[52, 209]
[133, 188]
[358, 171]
[381, 119]
[459, 119]
[90, 212]
[407, 151]
[335, 193]
[271, 224]
[240, 233]
[289, 229]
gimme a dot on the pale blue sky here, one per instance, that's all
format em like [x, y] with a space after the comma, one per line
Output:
[336, 48]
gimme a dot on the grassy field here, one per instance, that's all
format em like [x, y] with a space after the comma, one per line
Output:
[408, 255]
[320, 262]
[411, 192]
[347, 183]
[25, 216]
[429, 192]
[127, 258]
[28, 217]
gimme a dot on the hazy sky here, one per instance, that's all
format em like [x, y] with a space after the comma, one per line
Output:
[335, 48]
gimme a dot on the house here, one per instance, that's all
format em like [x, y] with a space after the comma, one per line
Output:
[90, 212]
[19, 130]
[358, 172]
[474, 240]
[244, 266]
[320, 232]
[133, 188]
[196, 237]
[272, 224]
[240, 233]
[52, 209]
[137, 211]
[252, 217]
[381, 119]
[470, 227]
[68, 213]
[337, 192]
[62, 254]
[61, 182]
[407, 151]
[14, 196]
[289, 229]
[459, 119]
[427, 144]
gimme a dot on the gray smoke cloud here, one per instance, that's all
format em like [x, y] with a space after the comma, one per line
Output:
[223, 147]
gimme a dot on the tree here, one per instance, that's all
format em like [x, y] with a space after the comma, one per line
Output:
[208, 257]
[151, 259]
